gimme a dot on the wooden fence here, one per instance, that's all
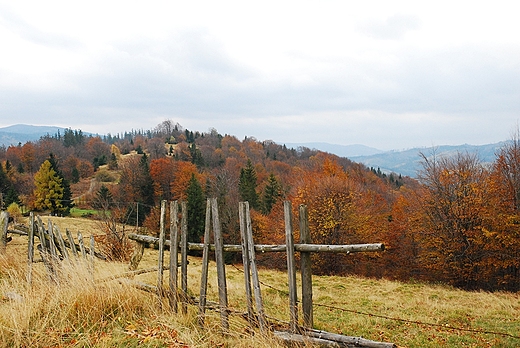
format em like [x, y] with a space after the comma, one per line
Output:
[178, 241]
[53, 248]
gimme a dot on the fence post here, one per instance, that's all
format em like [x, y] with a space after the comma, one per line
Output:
[174, 254]
[184, 257]
[73, 249]
[306, 269]
[245, 260]
[4, 221]
[291, 267]
[221, 268]
[205, 264]
[160, 290]
[30, 248]
[254, 270]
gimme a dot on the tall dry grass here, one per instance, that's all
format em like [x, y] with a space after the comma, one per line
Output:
[81, 312]
[78, 312]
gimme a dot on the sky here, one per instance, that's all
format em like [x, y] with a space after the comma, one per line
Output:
[386, 74]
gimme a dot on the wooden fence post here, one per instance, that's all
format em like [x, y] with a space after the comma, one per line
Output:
[245, 261]
[291, 267]
[30, 248]
[184, 257]
[162, 232]
[4, 221]
[92, 252]
[205, 265]
[174, 254]
[73, 249]
[221, 267]
[252, 261]
[306, 269]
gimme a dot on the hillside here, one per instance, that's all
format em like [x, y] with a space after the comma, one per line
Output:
[73, 314]
[408, 162]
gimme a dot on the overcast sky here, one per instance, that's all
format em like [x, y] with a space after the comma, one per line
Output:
[386, 74]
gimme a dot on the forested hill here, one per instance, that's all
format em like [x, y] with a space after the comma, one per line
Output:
[457, 224]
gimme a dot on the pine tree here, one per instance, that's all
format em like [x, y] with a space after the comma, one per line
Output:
[67, 193]
[196, 210]
[247, 185]
[104, 199]
[49, 190]
[271, 194]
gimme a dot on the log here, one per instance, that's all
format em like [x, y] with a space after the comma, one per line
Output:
[290, 338]
[355, 341]
[262, 248]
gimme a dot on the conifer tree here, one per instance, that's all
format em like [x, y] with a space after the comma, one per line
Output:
[271, 194]
[67, 193]
[247, 185]
[196, 210]
[49, 190]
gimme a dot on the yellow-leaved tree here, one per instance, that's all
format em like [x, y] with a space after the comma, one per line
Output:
[49, 189]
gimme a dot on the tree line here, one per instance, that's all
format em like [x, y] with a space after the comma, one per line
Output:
[458, 222]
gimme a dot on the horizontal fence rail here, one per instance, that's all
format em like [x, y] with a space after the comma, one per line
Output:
[310, 248]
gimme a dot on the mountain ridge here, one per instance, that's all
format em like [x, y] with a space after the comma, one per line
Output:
[405, 162]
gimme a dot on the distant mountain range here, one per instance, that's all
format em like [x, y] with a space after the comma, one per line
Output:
[405, 162]
[22, 133]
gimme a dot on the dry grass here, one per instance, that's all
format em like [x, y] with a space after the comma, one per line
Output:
[81, 313]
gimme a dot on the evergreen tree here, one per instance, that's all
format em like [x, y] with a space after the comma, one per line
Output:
[196, 210]
[247, 185]
[67, 193]
[9, 194]
[49, 190]
[271, 194]
[104, 199]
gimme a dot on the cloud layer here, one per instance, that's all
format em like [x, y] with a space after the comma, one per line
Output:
[387, 77]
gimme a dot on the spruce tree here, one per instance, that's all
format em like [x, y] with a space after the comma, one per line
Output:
[271, 194]
[49, 190]
[247, 185]
[196, 210]
[67, 202]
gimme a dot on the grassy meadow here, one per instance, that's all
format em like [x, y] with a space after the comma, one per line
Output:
[81, 313]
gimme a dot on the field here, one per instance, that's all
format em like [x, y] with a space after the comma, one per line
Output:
[81, 313]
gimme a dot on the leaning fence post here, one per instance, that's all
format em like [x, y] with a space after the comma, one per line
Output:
[174, 254]
[82, 246]
[73, 249]
[306, 269]
[245, 260]
[205, 264]
[221, 268]
[256, 281]
[291, 267]
[160, 290]
[92, 253]
[61, 242]
[184, 257]
[30, 248]
[4, 221]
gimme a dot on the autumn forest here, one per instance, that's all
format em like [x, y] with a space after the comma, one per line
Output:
[457, 223]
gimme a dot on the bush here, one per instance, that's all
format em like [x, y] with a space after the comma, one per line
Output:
[14, 211]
